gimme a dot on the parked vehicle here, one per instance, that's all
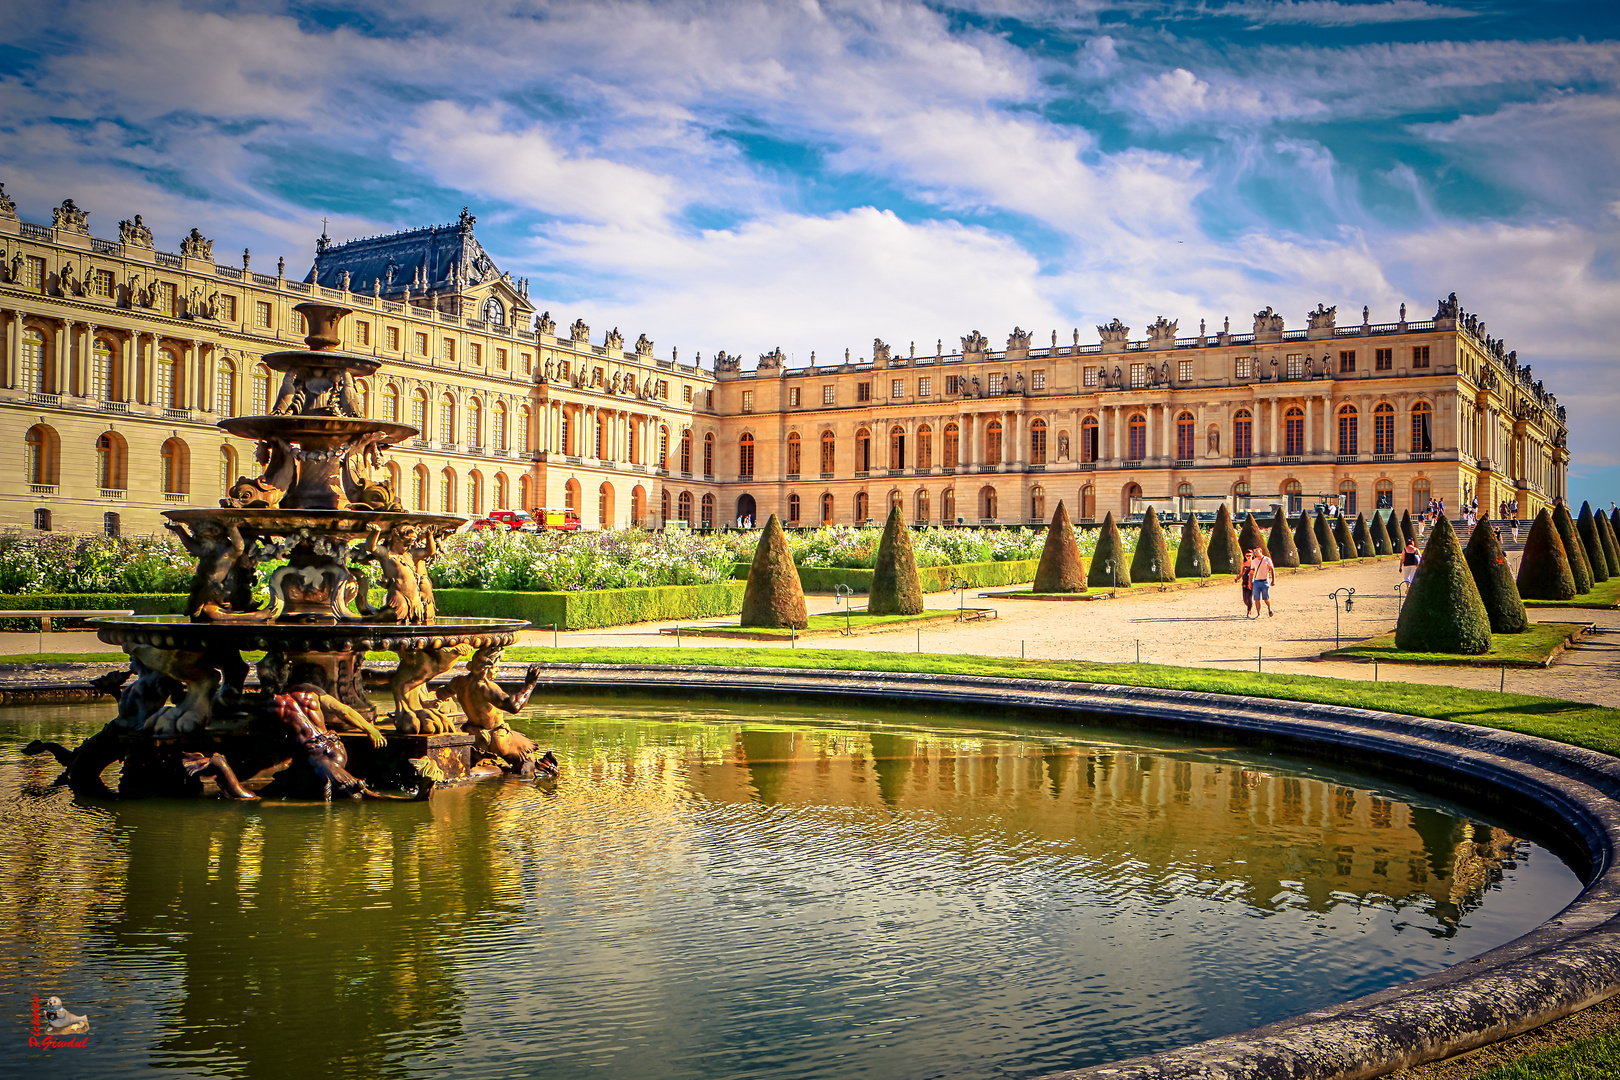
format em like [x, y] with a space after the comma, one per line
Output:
[515, 520]
[564, 518]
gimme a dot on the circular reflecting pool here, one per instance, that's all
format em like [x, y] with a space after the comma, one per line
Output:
[737, 892]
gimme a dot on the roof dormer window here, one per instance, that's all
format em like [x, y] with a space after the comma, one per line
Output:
[495, 311]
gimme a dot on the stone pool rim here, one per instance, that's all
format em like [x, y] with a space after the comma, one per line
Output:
[1566, 964]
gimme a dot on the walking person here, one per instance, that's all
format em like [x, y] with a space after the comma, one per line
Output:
[1246, 579]
[1264, 577]
[1409, 562]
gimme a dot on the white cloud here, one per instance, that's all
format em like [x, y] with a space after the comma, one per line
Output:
[1333, 13]
[1179, 96]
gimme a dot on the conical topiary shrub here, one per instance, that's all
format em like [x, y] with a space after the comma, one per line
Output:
[1573, 550]
[1310, 553]
[1279, 543]
[1494, 579]
[1342, 537]
[1443, 610]
[1061, 569]
[896, 589]
[1152, 561]
[1109, 564]
[1225, 551]
[1407, 531]
[1544, 572]
[1363, 537]
[1592, 543]
[1611, 548]
[1614, 525]
[1324, 537]
[1380, 536]
[1253, 537]
[1192, 558]
[774, 596]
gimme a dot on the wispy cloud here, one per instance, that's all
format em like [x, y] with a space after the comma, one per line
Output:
[1334, 13]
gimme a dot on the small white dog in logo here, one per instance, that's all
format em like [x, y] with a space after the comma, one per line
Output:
[61, 1021]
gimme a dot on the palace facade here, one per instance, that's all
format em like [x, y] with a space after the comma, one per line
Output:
[120, 358]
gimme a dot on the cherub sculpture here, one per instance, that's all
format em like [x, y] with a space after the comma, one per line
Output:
[390, 550]
[480, 696]
[418, 667]
[280, 476]
[222, 590]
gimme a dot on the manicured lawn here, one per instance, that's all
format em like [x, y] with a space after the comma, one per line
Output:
[1604, 594]
[819, 625]
[1529, 649]
[1596, 1058]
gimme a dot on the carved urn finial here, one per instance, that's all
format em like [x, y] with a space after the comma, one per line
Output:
[322, 320]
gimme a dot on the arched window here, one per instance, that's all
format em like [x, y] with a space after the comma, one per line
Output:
[947, 506]
[1184, 490]
[261, 392]
[1037, 503]
[1185, 437]
[1241, 490]
[175, 480]
[394, 484]
[501, 492]
[1088, 439]
[447, 423]
[686, 507]
[526, 500]
[599, 449]
[419, 413]
[897, 447]
[922, 507]
[225, 388]
[794, 453]
[168, 380]
[33, 362]
[686, 452]
[1137, 427]
[708, 453]
[793, 509]
[110, 461]
[102, 380]
[863, 451]
[604, 505]
[1422, 493]
[1088, 503]
[1347, 430]
[499, 433]
[638, 506]
[1422, 432]
[863, 509]
[1347, 497]
[1384, 428]
[925, 447]
[663, 447]
[897, 501]
[1037, 442]
[525, 430]
[1132, 492]
[828, 446]
[745, 457]
[1294, 495]
[827, 509]
[391, 403]
[951, 451]
[663, 505]
[1384, 494]
[1243, 434]
[475, 493]
[1294, 431]
[109, 524]
[227, 469]
[475, 423]
[420, 489]
[447, 490]
[992, 445]
[987, 503]
[39, 456]
[494, 312]
[708, 511]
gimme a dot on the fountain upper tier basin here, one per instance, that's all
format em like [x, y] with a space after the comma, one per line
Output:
[178, 633]
[300, 359]
[275, 521]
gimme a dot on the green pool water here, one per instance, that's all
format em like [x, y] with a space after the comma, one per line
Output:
[737, 892]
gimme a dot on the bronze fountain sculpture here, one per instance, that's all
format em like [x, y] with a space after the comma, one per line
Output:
[188, 716]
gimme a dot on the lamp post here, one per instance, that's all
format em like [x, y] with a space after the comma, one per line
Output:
[1349, 605]
[1402, 587]
[960, 587]
[841, 595]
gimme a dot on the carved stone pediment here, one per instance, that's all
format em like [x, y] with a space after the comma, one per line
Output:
[70, 218]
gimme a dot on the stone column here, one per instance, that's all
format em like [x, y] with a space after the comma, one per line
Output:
[87, 357]
[13, 345]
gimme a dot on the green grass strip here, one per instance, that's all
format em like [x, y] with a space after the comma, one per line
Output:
[819, 624]
[1595, 1058]
[1529, 649]
[1604, 594]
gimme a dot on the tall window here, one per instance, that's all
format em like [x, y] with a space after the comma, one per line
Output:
[1295, 495]
[1383, 359]
[1347, 363]
[925, 447]
[794, 450]
[1037, 503]
[475, 422]
[1243, 434]
[992, 443]
[168, 380]
[500, 491]
[827, 509]
[1088, 439]
[1384, 428]
[828, 446]
[1347, 430]
[261, 391]
[500, 426]
[1384, 494]
[600, 437]
[1347, 497]
[708, 511]
[101, 371]
[1037, 442]
[708, 454]
[109, 463]
[950, 450]
[1088, 503]
[685, 504]
[420, 488]
[1138, 437]
[225, 388]
[863, 451]
[447, 423]
[419, 413]
[947, 505]
[1422, 492]
[1294, 431]
[447, 491]
[525, 429]
[987, 503]
[524, 486]
[1296, 365]
[663, 446]
[793, 509]
[227, 469]
[745, 457]
[863, 508]
[174, 467]
[686, 453]
[897, 447]
[922, 506]
[1422, 428]
[36, 451]
[1186, 436]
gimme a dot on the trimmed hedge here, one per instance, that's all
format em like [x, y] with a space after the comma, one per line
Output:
[1253, 537]
[1443, 611]
[774, 597]
[1596, 558]
[139, 603]
[1574, 550]
[933, 578]
[1382, 541]
[1061, 569]
[1192, 559]
[1225, 553]
[590, 608]
[1110, 566]
[1152, 562]
[1497, 590]
[895, 588]
[1342, 537]
[1544, 571]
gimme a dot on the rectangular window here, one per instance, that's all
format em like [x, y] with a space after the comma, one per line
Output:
[897, 389]
[1037, 381]
[500, 359]
[1244, 368]
[793, 397]
[391, 337]
[748, 401]
[1296, 365]
[1420, 356]
[34, 273]
[475, 353]
[1089, 377]
[686, 394]
[708, 398]
[1138, 376]
[102, 284]
[168, 298]
[953, 385]
[448, 353]
[1184, 371]
[596, 377]
[299, 323]
[261, 314]
[925, 386]
[1347, 363]
[227, 307]
[663, 389]
[562, 369]
[829, 394]
[1383, 359]
[863, 391]
[995, 383]
[421, 344]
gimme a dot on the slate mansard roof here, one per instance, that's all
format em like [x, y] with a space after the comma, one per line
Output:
[437, 257]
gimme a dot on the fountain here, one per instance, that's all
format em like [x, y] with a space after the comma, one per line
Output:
[308, 730]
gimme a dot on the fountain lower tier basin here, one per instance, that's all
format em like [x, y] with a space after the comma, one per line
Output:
[298, 428]
[177, 633]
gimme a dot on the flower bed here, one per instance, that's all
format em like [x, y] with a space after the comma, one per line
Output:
[69, 564]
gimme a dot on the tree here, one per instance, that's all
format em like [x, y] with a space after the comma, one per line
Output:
[1279, 543]
[1192, 558]
[1225, 552]
[1109, 566]
[1363, 538]
[1611, 547]
[1494, 579]
[896, 589]
[1341, 537]
[1252, 538]
[1310, 554]
[774, 596]
[1443, 610]
[1324, 538]
[1380, 536]
[1572, 548]
[1544, 572]
[1592, 544]
[1152, 561]
[1407, 531]
[1061, 569]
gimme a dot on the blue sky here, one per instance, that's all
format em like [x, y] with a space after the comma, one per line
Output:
[741, 176]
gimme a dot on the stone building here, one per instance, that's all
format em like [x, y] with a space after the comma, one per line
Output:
[119, 358]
